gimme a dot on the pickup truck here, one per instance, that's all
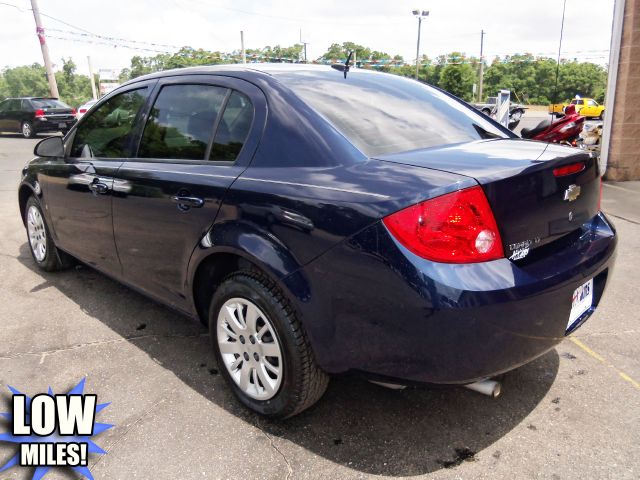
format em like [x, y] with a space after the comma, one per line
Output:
[515, 110]
[587, 107]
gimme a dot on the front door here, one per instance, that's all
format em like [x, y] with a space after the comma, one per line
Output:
[192, 149]
[79, 188]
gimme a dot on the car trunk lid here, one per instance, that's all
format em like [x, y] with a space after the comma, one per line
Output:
[532, 205]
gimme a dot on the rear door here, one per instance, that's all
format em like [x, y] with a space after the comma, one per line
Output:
[13, 116]
[199, 135]
[4, 110]
[79, 187]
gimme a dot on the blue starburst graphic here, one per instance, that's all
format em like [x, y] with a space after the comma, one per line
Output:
[54, 438]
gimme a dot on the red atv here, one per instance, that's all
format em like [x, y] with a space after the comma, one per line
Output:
[564, 130]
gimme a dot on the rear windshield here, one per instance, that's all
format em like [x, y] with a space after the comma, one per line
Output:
[383, 113]
[48, 103]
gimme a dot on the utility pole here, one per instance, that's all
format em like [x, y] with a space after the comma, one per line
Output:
[53, 86]
[305, 46]
[92, 79]
[481, 65]
[244, 54]
[420, 15]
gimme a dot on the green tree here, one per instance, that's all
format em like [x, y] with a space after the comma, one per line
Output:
[458, 77]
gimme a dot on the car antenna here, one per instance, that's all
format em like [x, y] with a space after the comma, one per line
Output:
[343, 68]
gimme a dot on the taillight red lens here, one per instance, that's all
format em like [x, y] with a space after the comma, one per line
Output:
[39, 113]
[83, 110]
[458, 227]
[569, 169]
[73, 111]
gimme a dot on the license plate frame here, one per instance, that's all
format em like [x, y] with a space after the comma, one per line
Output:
[62, 125]
[581, 302]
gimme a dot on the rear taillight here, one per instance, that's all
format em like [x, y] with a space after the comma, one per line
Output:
[73, 111]
[569, 169]
[39, 113]
[83, 110]
[458, 227]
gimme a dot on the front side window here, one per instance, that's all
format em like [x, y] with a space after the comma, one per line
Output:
[233, 128]
[4, 106]
[181, 122]
[107, 131]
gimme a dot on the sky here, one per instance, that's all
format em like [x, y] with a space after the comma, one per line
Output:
[511, 26]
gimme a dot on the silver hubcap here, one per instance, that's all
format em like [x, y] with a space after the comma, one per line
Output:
[26, 129]
[37, 233]
[249, 348]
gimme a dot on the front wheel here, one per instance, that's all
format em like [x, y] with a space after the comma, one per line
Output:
[41, 245]
[27, 130]
[261, 348]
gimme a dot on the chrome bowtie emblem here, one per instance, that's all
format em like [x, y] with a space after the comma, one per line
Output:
[572, 193]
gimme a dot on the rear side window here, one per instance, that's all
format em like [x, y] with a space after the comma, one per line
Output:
[233, 128]
[48, 103]
[106, 132]
[181, 122]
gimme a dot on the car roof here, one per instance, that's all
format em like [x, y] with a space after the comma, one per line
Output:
[248, 69]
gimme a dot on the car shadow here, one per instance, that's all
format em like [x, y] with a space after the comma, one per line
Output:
[363, 426]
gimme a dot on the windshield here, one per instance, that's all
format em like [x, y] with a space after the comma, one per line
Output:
[48, 103]
[383, 113]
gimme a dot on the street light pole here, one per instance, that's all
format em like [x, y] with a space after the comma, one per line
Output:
[420, 14]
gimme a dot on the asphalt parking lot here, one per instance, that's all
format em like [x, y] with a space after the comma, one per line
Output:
[572, 414]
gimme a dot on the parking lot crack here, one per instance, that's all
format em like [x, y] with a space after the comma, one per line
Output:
[280, 452]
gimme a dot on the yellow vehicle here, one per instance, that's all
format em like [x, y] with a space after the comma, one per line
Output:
[586, 107]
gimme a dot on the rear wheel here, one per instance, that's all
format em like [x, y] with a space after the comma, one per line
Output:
[41, 245]
[261, 348]
[602, 115]
[27, 129]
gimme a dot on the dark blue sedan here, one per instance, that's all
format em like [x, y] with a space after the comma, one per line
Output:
[322, 224]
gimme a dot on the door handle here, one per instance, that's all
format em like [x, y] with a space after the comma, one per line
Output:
[99, 188]
[185, 203]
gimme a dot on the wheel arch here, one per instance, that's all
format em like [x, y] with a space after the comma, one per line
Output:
[24, 192]
[236, 248]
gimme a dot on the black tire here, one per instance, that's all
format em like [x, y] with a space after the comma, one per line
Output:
[53, 259]
[486, 111]
[602, 115]
[303, 382]
[27, 130]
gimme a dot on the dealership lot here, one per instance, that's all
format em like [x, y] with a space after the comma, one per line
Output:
[572, 413]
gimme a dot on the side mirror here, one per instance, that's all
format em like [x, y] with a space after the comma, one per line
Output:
[50, 147]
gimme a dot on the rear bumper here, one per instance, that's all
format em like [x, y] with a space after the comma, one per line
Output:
[45, 125]
[396, 315]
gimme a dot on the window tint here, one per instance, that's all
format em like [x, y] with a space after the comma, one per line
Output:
[14, 105]
[233, 128]
[25, 106]
[48, 103]
[382, 113]
[181, 122]
[580, 102]
[106, 131]
[4, 106]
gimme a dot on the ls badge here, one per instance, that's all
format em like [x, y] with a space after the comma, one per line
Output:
[572, 192]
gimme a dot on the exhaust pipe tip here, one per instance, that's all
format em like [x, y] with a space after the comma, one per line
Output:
[490, 388]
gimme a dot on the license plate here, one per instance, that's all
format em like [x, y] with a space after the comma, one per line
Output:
[62, 125]
[581, 302]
